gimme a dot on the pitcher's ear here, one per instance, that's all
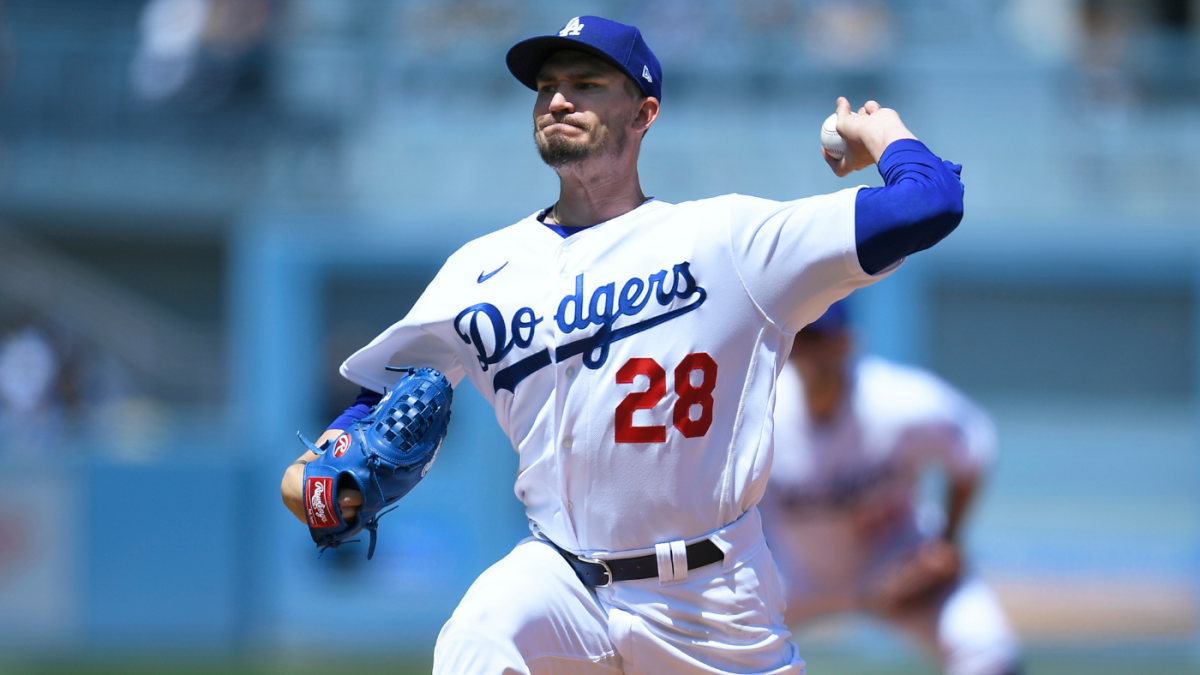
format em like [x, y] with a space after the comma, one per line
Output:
[647, 113]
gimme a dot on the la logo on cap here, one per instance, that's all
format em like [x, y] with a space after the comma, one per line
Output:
[572, 28]
[646, 73]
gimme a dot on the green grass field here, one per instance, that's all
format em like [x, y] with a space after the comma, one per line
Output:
[1058, 664]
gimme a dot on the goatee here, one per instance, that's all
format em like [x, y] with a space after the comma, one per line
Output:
[558, 151]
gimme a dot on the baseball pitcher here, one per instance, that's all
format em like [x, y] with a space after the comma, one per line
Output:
[630, 348]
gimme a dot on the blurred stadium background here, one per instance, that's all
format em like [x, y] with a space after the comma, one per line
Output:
[206, 204]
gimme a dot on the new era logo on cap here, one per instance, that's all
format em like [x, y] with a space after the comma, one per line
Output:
[618, 44]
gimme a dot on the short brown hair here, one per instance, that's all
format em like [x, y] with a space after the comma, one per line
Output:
[636, 92]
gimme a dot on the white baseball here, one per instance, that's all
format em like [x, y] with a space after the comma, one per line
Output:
[831, 140]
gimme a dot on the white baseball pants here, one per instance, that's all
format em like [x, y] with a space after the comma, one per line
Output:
[964, 630]
[529, 614]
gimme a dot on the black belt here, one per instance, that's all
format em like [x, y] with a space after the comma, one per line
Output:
[602, 573]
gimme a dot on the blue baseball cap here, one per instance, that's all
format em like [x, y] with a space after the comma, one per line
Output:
[835, 320]
[616, 43]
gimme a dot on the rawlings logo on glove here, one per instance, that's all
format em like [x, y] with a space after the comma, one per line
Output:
[341, 445]
[319, 492]
[384, 456]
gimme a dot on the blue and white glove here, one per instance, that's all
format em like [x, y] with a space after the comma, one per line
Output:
[383, 456]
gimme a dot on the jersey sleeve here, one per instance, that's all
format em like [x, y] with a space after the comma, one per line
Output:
[920, 203]
[976, 449]
[961, 436]
[796, 258]
[417, 340]
[366, 400]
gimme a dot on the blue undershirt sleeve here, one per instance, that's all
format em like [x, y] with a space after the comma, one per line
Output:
[366, 400]
[921, 202]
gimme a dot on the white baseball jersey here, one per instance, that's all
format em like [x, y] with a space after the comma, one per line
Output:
[893, 421]
[839, 508]
[632, 364]
[841, 501]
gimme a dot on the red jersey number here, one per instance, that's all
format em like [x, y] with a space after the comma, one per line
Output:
[695, 395]
[640, 400]
[690, 396]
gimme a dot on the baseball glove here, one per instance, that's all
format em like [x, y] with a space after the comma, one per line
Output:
[931, 569]
[384, 456]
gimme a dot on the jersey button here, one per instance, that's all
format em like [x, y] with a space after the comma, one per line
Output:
[567, 443]
[570, 506]
[570, 372]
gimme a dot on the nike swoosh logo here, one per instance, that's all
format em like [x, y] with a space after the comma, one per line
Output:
[484, 277]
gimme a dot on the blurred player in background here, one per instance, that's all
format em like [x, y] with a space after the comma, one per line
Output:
[852, 437]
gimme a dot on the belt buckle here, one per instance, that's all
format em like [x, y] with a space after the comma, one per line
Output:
[607, 569]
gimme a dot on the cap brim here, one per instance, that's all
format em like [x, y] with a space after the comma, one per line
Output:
[525, 59]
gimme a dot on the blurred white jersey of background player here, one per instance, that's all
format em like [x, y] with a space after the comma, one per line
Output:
[853, 436]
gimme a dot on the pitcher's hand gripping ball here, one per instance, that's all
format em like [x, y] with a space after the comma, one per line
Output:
[384, 456]
[831, 140]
